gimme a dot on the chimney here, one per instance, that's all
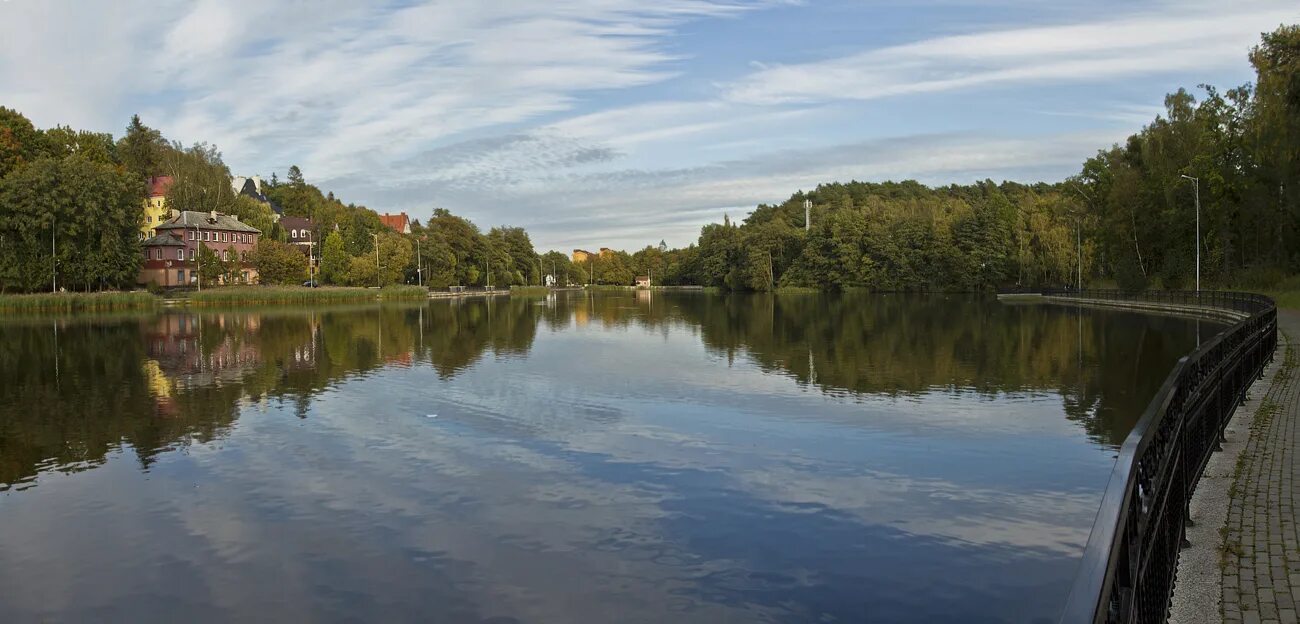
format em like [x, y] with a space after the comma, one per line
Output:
[257, 184]
[173, 213]
[235, 217]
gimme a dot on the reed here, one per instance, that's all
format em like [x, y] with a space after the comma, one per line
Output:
[256, 295]
[78, 302]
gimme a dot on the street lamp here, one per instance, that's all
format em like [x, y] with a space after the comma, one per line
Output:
[1196, 184]
[419, 264]
[376, 260]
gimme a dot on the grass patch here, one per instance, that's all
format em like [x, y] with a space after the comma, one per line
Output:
[78, 302]
[1289, 299]
[256, 295]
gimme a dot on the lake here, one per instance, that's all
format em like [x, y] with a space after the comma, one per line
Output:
[621, 457]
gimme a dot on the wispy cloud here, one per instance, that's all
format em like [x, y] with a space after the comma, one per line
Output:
[1170, 40]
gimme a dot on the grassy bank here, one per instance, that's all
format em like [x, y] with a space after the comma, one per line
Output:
[78, 302]
[256, 295]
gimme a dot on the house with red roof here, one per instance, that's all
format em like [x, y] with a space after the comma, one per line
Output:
[398, 223]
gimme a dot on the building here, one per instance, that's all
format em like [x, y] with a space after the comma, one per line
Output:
[171, 255]
[252, 188]
[399, 222]
[155, 205]
[606, 253]
[302, 234]
[643, 281]
[582, 255]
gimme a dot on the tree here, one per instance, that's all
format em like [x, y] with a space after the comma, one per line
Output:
[141, 149]
[20, 143]
[211, 266]
[90, 209]
[361, 271]
[334, 260]
[279, 263]
[295, 176]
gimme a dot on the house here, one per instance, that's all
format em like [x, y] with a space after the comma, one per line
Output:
[252, 187]
[155, 205]
[171, 255]
[582, 255]
[642, 281]
[399, 222]
[302, 234]
[606, 253]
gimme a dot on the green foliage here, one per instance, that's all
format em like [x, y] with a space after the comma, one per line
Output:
[334, 260]
[20, 143]
[559, 265]
[91, 210]
[141, 149]
[279, 263]
[211, 266]
[361, 272]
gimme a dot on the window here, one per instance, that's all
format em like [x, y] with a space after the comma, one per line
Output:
[294, 233]
[146, 254]
[225, 237]
[157, 254]
[192, 235]
[180, 253]
[180, 276]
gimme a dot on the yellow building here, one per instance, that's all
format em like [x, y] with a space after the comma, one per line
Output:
[581, 255]
[155, 206]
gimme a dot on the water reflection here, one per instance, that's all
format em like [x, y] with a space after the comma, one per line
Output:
[647, 457]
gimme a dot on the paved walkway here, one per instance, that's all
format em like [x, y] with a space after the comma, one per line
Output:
[1260, 556]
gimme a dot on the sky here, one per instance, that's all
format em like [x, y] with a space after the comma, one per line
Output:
[620, 123]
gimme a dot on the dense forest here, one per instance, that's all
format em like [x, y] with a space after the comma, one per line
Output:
[1127, 218]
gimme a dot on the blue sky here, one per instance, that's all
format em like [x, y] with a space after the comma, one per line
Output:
[621, 122]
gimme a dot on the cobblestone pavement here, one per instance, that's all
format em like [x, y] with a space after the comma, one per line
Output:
[1261, 545]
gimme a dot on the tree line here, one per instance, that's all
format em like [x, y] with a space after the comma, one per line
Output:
[71, 210]
[1129, 217]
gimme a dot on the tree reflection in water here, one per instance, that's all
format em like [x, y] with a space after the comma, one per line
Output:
[77, 388]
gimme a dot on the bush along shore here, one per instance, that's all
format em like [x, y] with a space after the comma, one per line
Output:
[77, 302]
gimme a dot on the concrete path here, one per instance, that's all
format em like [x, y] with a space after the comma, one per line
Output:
[1244, 562]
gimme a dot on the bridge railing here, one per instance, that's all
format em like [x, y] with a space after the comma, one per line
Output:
[1128, 566]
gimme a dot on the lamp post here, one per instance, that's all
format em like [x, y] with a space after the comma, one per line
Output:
[376, 260]
[1196, 185]
[54, 267]
[419, 264]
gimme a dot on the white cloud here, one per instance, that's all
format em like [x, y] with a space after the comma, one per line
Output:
[1171, 40]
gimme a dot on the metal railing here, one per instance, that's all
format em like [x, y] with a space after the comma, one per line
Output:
[1128, 567]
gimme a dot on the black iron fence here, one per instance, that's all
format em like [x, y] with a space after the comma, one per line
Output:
[1128, 566]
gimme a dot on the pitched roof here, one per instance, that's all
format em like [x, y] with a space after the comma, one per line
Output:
[398, 222]
[204, 220]
[166, 239]
[158, 185]
[297, 223]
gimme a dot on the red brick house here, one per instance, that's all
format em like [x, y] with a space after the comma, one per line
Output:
[399, 223]
[171, 257]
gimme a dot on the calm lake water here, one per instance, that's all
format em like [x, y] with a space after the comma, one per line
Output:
[610, 458]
